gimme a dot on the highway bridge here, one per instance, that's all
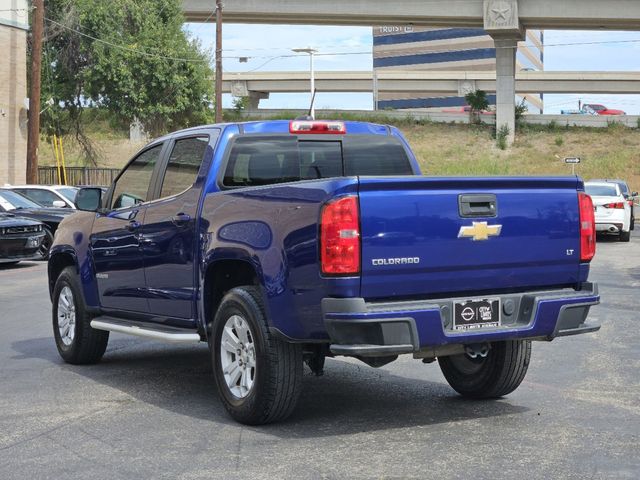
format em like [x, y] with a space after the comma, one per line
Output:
[408, 84]
[505, 20]
[527, 14]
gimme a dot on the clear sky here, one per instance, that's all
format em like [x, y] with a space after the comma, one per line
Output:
[268, 48]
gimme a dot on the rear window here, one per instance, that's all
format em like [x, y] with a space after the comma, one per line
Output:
[255, 161]
[623, 188]
[601, 190]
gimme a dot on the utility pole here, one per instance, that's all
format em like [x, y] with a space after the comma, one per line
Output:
[37, 26]
[218, 61]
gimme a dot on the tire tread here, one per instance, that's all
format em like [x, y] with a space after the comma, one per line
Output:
[89, 344]
[500, 376]
[284, 384]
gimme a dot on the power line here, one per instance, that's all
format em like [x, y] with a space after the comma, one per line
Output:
[123, 47]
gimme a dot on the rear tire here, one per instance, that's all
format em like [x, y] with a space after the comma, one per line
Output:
[499, 374]
[259, 377]
[625, 236]
[77, 342]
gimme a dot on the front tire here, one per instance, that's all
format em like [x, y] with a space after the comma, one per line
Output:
[496, 375]
[47, 241]
[76, 341]
[259, 377]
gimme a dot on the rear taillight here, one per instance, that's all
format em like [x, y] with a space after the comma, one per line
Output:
[587, 228]
[614, 205]
[340, 237]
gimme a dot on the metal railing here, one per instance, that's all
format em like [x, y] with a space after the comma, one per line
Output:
[77, 176]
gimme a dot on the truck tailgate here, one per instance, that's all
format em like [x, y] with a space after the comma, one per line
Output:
[430, 236]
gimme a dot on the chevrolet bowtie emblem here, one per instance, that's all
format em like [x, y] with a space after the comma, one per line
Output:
[480, 231]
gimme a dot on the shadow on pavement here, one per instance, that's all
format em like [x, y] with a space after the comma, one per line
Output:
[18, 266]
[349, 398]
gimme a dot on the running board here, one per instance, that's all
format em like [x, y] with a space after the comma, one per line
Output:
[155, 332]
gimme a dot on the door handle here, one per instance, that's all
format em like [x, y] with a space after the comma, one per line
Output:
[477, 205]
[181, 219]
[132, 226]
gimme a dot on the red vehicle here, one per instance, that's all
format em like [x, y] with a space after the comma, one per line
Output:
[465, 109]
[601, 109]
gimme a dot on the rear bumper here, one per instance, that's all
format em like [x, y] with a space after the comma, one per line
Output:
[358, 328]
[612, 227]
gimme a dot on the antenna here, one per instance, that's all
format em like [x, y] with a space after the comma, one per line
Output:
[313, 99]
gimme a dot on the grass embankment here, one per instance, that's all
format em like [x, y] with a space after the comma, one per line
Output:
[447, 149]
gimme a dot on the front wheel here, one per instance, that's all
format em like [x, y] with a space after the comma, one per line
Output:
[496, 375]
[78, 343]
[259, 377]
[47, 241]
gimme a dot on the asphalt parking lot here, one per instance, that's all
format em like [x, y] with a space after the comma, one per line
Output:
[150, 410]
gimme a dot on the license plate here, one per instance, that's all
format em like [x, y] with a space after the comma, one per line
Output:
[476, 314]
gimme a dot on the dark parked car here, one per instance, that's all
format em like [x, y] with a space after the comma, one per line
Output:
[20, 238]
[13, 202]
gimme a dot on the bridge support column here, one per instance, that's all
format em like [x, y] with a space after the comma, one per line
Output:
[502, 22]
[506, 86]
[254, 99]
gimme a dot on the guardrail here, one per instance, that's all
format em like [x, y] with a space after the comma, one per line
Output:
[594, 121]
[78, 175]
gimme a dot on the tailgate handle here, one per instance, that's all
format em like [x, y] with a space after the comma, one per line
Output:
[478, 205]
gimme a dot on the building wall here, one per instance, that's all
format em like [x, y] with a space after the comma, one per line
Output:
[450, 49]
[13, 91]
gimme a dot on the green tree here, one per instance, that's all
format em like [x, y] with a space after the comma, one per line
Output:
[478, 102]
[131, 57]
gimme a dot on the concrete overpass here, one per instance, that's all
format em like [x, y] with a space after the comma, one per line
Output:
[441, 82]
[536, 14]
[505, 20]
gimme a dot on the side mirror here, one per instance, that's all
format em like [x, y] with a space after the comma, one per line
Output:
[58, 204]
[89, 199]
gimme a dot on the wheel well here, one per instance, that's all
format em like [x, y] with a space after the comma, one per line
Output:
[221, 277]
[57, 263]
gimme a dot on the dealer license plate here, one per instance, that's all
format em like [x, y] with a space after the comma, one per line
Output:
[476, 314]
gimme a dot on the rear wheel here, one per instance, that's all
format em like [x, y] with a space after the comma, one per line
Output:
[259, 377]
[496, 375]
[625, 236]
[77, 342]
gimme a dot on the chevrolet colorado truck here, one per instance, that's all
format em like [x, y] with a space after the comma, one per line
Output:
[281, 243]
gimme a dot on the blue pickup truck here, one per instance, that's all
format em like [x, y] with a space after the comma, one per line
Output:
[281, 243]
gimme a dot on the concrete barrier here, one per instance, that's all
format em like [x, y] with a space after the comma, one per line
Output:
[594, 121]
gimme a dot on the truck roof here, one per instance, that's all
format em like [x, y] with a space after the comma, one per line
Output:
[282, 126]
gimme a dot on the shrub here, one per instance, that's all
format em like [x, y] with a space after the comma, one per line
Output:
[501, 137]
[478, 102]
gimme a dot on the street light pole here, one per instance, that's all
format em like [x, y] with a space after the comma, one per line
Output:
[312, 73]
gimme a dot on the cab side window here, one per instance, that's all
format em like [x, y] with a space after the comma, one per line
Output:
[133, 184]
[184, 164]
